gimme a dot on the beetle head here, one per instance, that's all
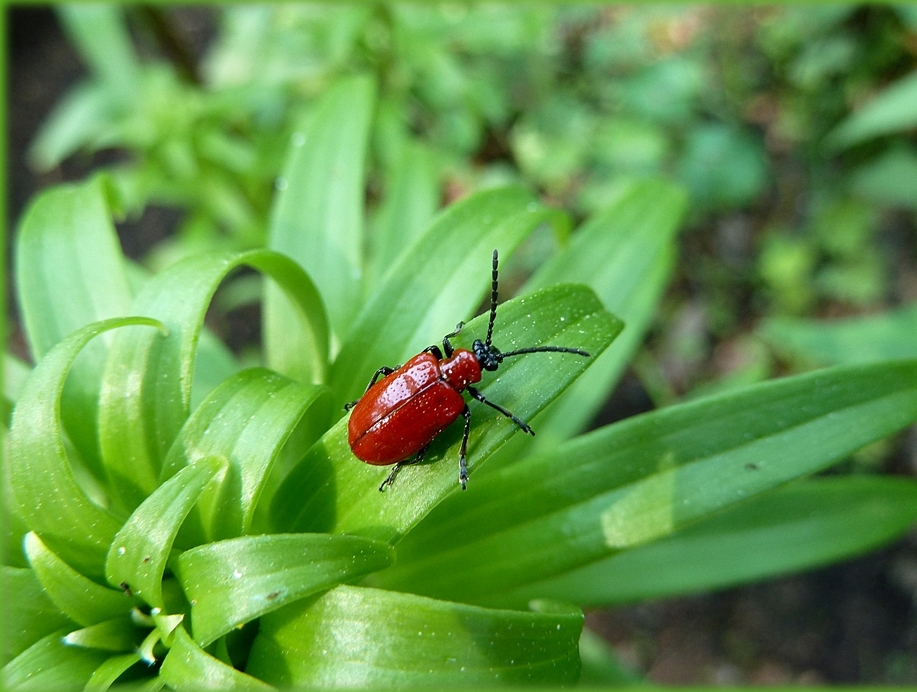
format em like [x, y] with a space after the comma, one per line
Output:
[487, 354]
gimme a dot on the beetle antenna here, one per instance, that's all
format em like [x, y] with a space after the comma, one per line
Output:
[543, 349]
[493, 302]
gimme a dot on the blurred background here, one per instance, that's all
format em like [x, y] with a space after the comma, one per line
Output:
[792, 129]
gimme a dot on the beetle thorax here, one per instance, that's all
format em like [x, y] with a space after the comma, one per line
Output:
[461, 369]
[487, 354]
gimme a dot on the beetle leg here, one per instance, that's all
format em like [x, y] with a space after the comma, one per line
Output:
[384, 370]
[447, 346]
[415, 460]
[518, 421]
[434, 349]
[463, 465]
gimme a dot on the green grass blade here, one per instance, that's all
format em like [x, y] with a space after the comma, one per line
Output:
[147, 381]
[625, 254]
[117, 635]
[108, 673]
[233, 582]
[331, 490]
[317, 218]
[70, 273]
[246, 420]
[78, 597]
[892, 110]
[49, 664]
[140, 550]
[798, 527]
[75, 122]
[47, 495]
[885, 336]
[352, 637]
[646, 478]
[188, 667]
[411, 199]
[430, 289]
[27, 612]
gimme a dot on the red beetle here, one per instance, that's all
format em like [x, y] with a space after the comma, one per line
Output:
[398, 416]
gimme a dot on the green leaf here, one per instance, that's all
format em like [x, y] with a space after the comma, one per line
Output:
[188, 667]
[111, 669]
[49, 664]
[800, 526]
[644, 479]
[141, 548]
[246, 420]
[27, 612]
[352, 637]
[47, 495]
[894, 109]
[232, 582]
[317, 218]
[885, 336]
[70, 273]
[411, 198]
[78, 597]
[75, 122]
[331, 490]
[625, 254]
[601, 667]
[147, 382]
[429, 290]
[116, 635]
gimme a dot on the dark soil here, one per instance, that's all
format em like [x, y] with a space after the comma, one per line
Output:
[851, 623]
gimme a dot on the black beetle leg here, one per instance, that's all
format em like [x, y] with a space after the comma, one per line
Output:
[447, 346]
[463, 464]
[397, 468]
[518, 421]
[384, 370]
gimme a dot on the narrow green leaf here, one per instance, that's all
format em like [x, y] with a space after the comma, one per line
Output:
[213, 364]
[47, 495]
[800, 526]
[188, 667]
[70, 273]
[108, 673]
[601, 667]
[246, 420]
[27, 612]
[232, 582]
[13, 526]
[147, 381]
[317, 218]
[429, 290]
[81, 599]
[352, 637]
[646, 478]
[411, 198]
[49, 664]
[894, 109]
[331, 490]
[141, 548]
[625, 254]
[100, 35]
[117, 635]
[74, 123]
[886, 336]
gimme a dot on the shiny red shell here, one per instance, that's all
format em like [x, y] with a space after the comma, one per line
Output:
[400, 414]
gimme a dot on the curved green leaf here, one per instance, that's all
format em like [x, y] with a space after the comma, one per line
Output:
[353, 637]
[331, 490]
[317, 218]
[47, 495]
[646, 478]
[625, 254]
[147, 382]
[188, 667]
[49, 664]
[81, 599]
[884, 336]
[246, 420]
[108, 673]
[117, 635]
[232, 582]
[70, 273]
[27, 612]
[797, 527]
[140, 550]
[893, 109]
[430, 289]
